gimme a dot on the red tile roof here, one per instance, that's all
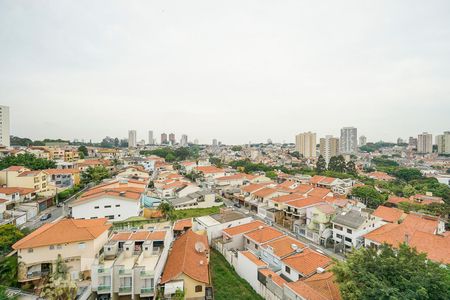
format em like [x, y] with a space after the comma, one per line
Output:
[307, 261]
[317, 287]
[264, 235]
[254, 259]
[309, 201]
[184, 258]
[388, 214]
[141, 235]
[243, 228]
[283, 246]
[182, 224]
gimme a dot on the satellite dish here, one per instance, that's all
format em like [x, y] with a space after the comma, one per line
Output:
[200, 247]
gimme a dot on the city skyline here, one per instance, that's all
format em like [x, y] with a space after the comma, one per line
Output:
[289, 68]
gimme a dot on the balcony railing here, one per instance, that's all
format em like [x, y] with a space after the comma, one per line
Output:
[37, 274]
[146, 290]
[124, 272]
[147, 273]
[104, 288]
[125, 289]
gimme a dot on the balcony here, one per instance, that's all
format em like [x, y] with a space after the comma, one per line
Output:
[104, 289]
[124, 272]
[146, 290]
[145, 274]
[37, 274]
[125, 290]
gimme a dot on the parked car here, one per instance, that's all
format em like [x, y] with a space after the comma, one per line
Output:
[45, 217]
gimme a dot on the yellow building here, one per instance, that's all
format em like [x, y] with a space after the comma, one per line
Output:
[187, 267]
[78, 242]
[18, 176]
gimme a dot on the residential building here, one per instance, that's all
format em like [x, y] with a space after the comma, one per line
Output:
[164, 140]
[329, 147]
[115, 204]
[63, 178]
[18, 176]
[78, 242]
[348, 142]
[151, 140]
[321, 286]
[233, 237]
[132, 139]
[184, 140]
[4, 126]
[412, 142]
[187, 267]
[303, 264]
[305, 144]
[425, 143]
[172, 139]
[443, 143]
[362, 140]
[131, 264]
[198, 199]
[253, 240]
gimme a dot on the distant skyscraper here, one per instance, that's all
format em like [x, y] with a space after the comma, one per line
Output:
[362, 140]
[425, 143]
[400, 141]
[4, 126]
[184, 140]
[348, 143]
[329, 147]
[214, 143]
[132, 143]
[151, 141]
[443, 143]
[196, 142]
[269, 141]
[172, 138]
[305, 144]
[412, 142]
[164, 138]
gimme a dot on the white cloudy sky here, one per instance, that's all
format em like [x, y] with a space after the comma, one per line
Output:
[235, 70]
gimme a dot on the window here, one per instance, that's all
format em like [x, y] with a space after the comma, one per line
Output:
[96, 207]
[198, 288]
[348, 239]
[349, 231]
[110, 217]
[339, 236]
[248, 241]
[107, 206]
[58, 247]
[117, 205]
[338, 227]
[51, 247]
[30, 250]
[256, 246]
[81, 245]
[287, 269]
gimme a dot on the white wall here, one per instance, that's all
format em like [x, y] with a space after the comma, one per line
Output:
[248, 270]
[124, 210]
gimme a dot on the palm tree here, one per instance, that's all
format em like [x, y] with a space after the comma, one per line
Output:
[60, 287]
[167, 209]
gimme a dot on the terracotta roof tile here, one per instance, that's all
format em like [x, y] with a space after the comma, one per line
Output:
[388, 214]
[307, 261]
[283, 246]
[254, 259]
[264, 235]
[243, 228]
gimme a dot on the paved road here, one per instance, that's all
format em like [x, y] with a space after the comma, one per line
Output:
[305, 241]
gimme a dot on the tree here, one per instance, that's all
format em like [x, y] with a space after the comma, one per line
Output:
[389, 273]
[167, 209]
[271, 174]
[27, 160]
[321, 165]
[9, 234]
[408, 190]
[8, 271]
[408, 174]
[337, 164]
[170, 157]
[295, 154]
[94, 174]
[236, 148]
[59, 286]
[83, 149]
[4, 295]
[179, 294]
[350, 168]
[368, 195]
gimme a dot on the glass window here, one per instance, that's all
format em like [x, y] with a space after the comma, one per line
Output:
[198, 288]
[287, 269]
[349, 231]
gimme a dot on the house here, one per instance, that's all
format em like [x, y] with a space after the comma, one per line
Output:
[253, 240]
[349, 228]
[134, 172]
[320, 286]
[187, 267]
[18, 176]
[63, 178]
[115, 204]
[233, 237]
[199, 199]
[210, 173]
[389, 214]
[303, 264]
[273, 252]
[181, 226]
[295, 211]
[380, 176]
[216, 223]
[318, 223]
[425, 233]
[271, 284]
[248, 266]
[132, 264]
[78, 242]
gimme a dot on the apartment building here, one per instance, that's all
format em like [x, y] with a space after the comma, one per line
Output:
[63, 178]
[348, 143]
[425, 143]
[443, 143]
[4, 126]
[131, 265]
[18, 176]
[132, 139]
[329, 147]
[78, 242]
[305, 144]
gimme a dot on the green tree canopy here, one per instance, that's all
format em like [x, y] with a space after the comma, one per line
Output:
[83, 149]
[59, 286]
[94, 174]
[321, 165]
[236, 148]
[350, 168]
[27, 160]
[368, 195]
[391, 274]
[408, 174]
[9, 234]
[337, 164]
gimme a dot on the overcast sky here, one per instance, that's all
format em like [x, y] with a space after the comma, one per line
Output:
[237, 71]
